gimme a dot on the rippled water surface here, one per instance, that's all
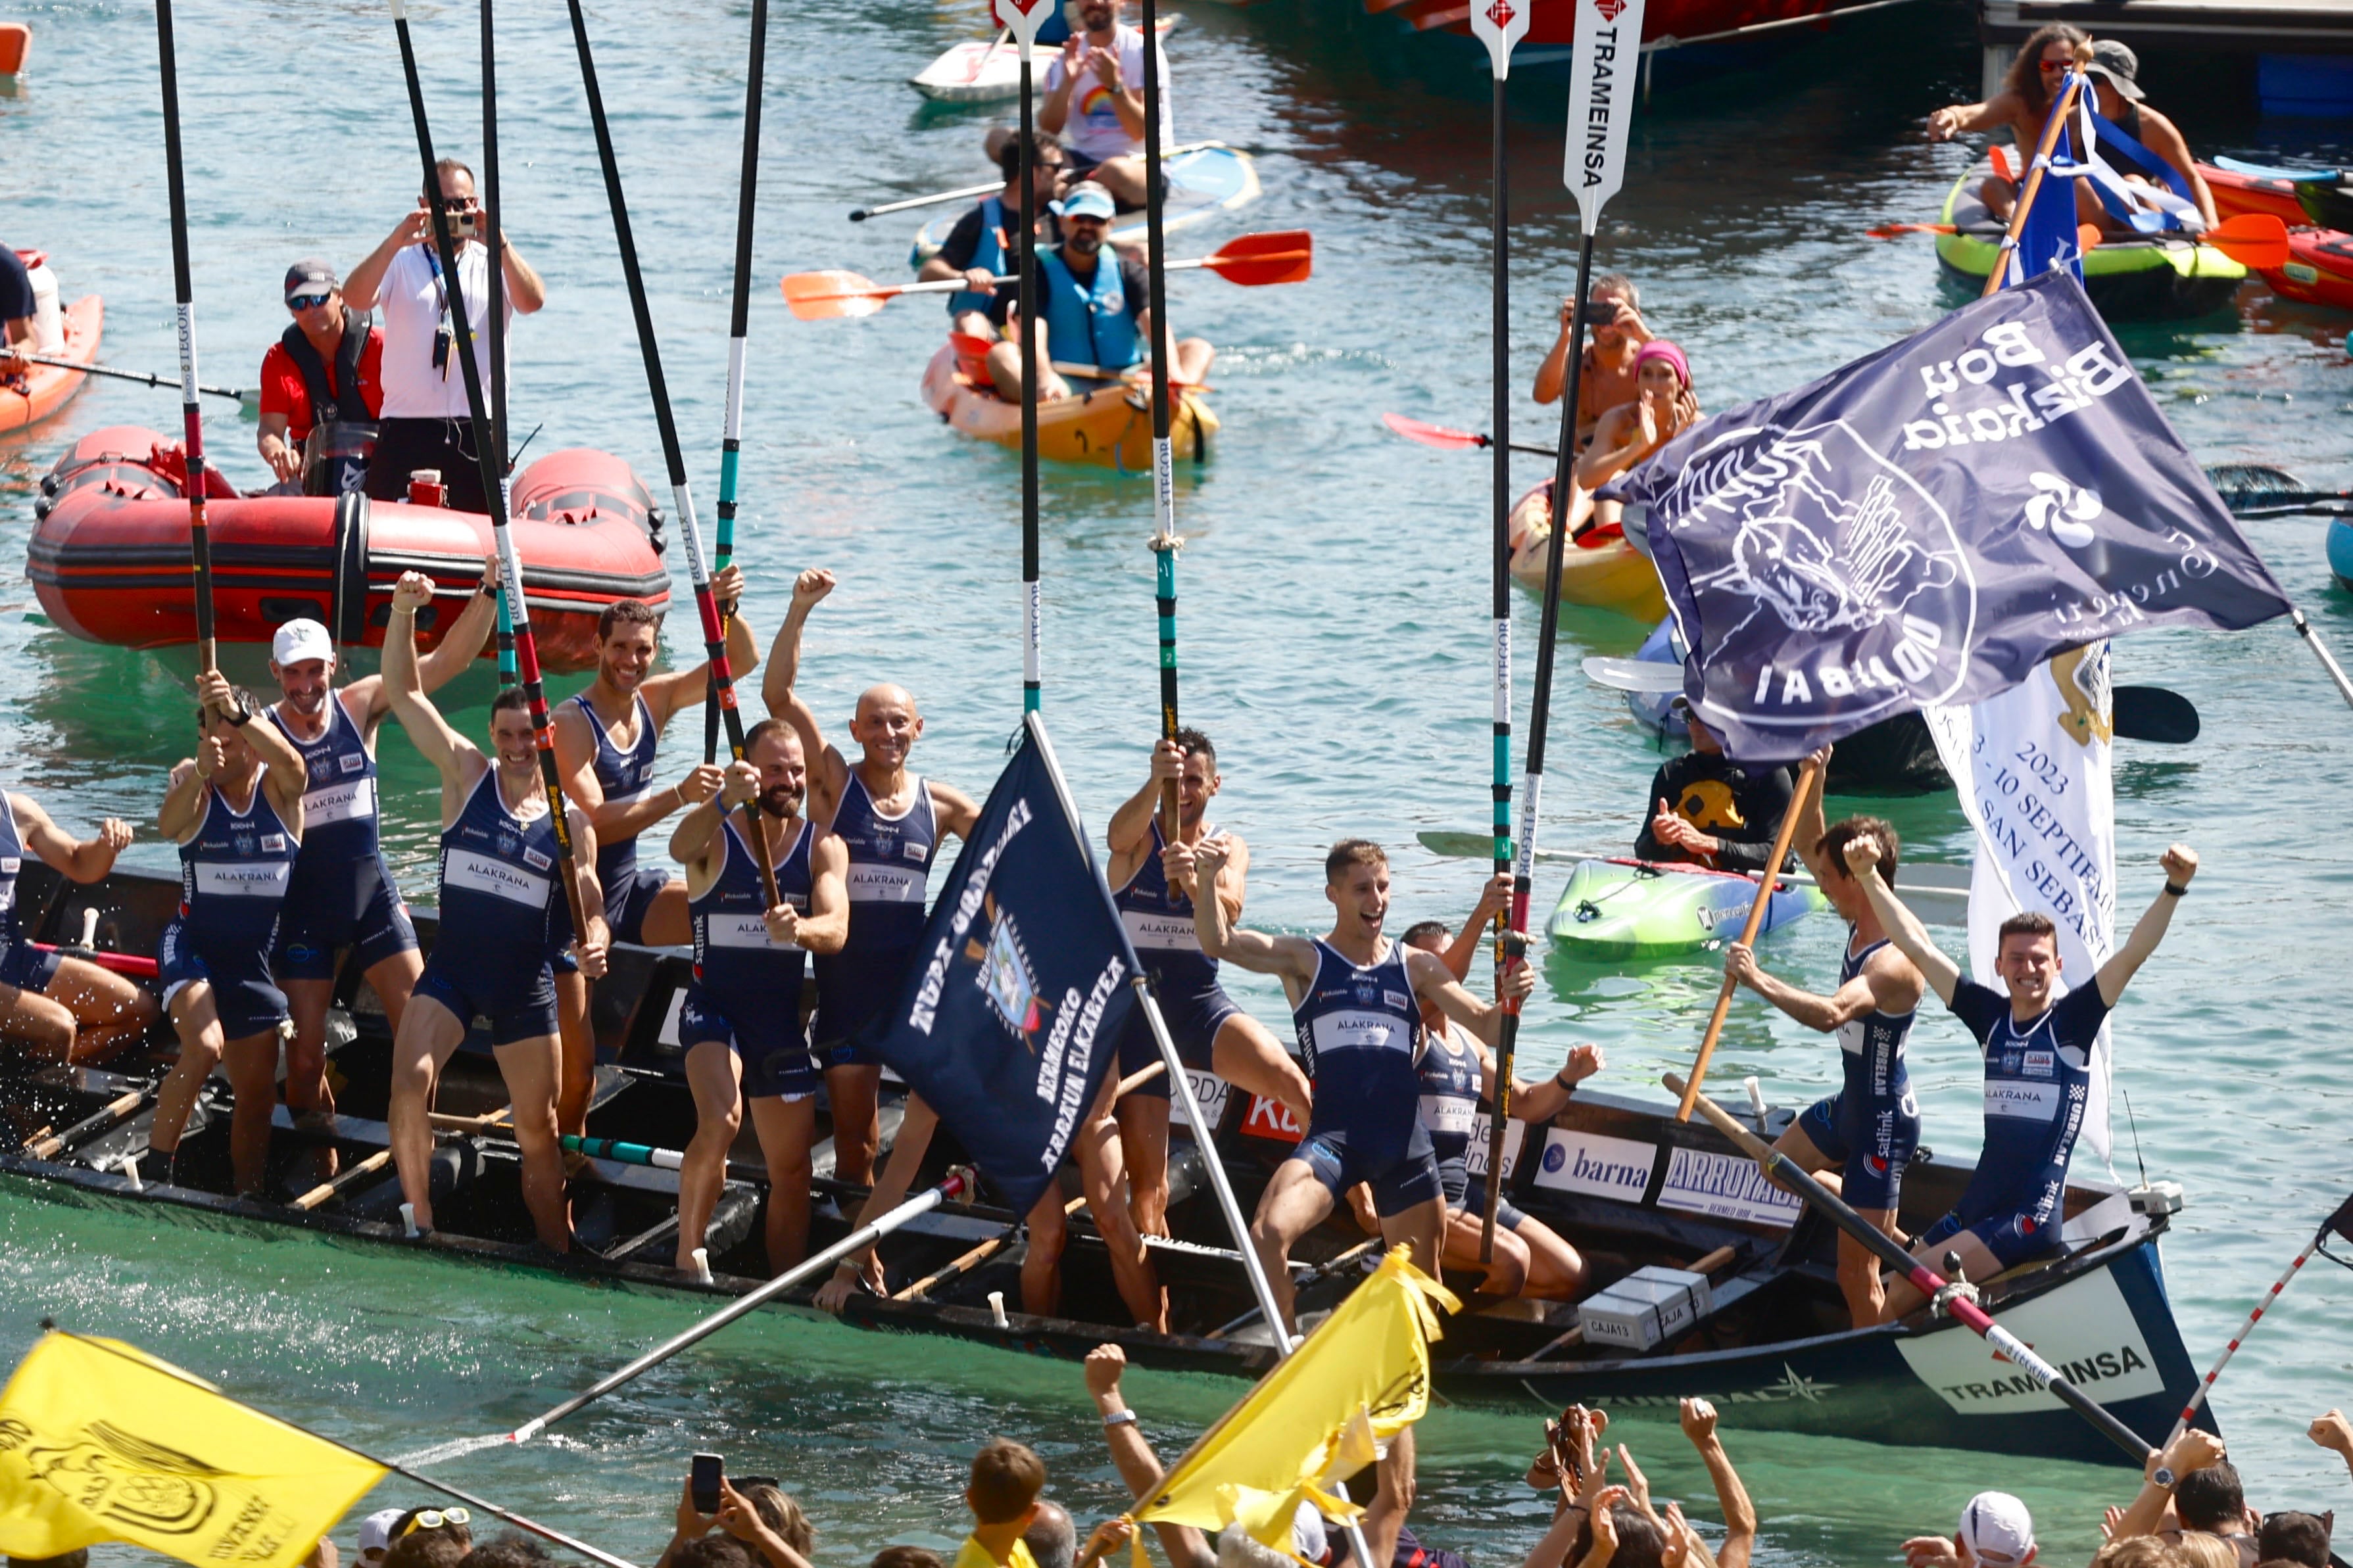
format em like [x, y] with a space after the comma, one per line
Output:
[1335, 642]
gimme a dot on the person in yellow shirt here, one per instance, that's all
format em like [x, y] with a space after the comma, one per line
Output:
[1003, 1496]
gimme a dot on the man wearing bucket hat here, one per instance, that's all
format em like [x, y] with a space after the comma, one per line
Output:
[2115, 71]
[1996, 1531]
[325, 371]
[1095, 314]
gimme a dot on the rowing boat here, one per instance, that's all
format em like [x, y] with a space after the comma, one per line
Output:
[1204, 180]
[2154, 278]
[1109, 425]
[1627, 1183]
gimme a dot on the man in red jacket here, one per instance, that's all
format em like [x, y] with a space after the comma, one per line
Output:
[326, 370]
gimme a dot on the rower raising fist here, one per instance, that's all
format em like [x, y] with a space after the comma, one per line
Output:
[811, 587]
[2180, 863]
[1863, 854]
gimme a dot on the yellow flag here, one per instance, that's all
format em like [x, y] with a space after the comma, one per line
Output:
[1310, 1424]
[99, 1441]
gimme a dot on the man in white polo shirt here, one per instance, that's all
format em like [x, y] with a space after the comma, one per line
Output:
[424, 422]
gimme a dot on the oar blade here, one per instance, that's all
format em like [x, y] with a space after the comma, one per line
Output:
[1430, 435]
[1255, 261]
[2154, 714]
[2257, 240]
[1651, 677]
[2243, 485]
[830, 296]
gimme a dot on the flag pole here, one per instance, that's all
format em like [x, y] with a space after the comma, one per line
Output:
[714, 631]
[739, 329]
[1165, 542]
[1997, 278]
[191, 422]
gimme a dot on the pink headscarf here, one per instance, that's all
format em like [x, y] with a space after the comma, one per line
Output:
[1659, 348]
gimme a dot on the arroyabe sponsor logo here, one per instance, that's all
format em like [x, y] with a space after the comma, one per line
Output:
[1726, 1187]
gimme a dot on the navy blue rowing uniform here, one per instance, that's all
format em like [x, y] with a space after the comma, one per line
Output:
[23, 965]
[1183, 979]
[1358, 1030]
[233, 877]
[2038, 1078]
[890, 870]
[625, 776]
[341, 894]
[1450, 1078]
[1871, 1124]
[746, 991]
[502, 912]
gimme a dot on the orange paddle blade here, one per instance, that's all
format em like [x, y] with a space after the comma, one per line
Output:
[2088, 238]
[1286, 256]
[2252, 239]
[826, 296]
[1890, 230]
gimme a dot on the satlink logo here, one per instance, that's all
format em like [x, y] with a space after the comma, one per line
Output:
[1272, 1120]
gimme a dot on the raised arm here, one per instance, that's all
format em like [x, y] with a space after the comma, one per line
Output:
[1055, 111]
[184, 800]
[429, 731]
[1493, 899]
[1540, 1102]
[80, 859]
[2180, 863]
[694, 842]
[681, 689]
[283, 774]
[1139, 1468]
[2144, 1515]
[1292, 957]
[450, 659]
[1887, 985]
[1903, 927]
[780, 689]
[1130, 831]
[1739, 1513]
[362, 283]
[1433, 984]
[1811, 824]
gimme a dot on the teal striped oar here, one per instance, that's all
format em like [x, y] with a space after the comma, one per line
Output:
[731, 446]
[506, 640]
[624, 1153]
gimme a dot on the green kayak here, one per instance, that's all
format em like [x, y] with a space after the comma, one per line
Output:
[1635, 909]
[2155, 280]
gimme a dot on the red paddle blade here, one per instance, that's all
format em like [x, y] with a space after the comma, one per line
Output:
[1890, 230]
[1255, 261]
[1437, 436]
[827, 296]
[2252, 239]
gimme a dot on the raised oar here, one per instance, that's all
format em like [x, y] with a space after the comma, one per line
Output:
[966, 193]
[141, 376]
[495, 480]
[1255, 261]
[495, 319]
[2258, 487]
[689, 531]
[1450, 440]
[959, 1184]
[1927, 1281]
[1997, 275]
[192, 423]
[1164, 541]
[1022, 18]
[2252, 239]
[1499, 27]
[1809, 779]
[2341, 1223]
[739, 329]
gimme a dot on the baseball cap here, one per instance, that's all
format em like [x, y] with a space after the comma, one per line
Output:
[2117, 62]
[375, 1529]
[300, 639]
[1087, 199]
[1996, 1526]
[311, 276]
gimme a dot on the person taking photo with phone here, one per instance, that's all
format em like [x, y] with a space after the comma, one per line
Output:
[424, 416]
[1615, 332]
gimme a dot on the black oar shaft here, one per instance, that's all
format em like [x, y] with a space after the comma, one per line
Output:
[714, 631]
[192, 424]
[1500, 369]
[494, 480]
[1033, 629]
[1165, 542]
[738, 327]
[494, 323]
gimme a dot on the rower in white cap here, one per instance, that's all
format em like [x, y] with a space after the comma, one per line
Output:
[1996, 1531]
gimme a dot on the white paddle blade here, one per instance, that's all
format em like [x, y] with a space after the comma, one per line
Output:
[1650, 676]
[1022, 18]
[1500, 25]
[1605, 65]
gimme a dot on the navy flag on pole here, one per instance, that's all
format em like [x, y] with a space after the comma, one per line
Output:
[1929, 523]
[1013, 1004]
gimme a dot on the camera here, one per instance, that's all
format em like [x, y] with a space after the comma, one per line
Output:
[1601, 313]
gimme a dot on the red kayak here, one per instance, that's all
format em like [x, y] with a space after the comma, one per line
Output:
[2318, 269]
[2236, 191]
[110, 554]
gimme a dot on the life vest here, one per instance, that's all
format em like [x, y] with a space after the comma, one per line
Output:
[989, 254]
[336, 452]
[1089, 324]
[2166, 204]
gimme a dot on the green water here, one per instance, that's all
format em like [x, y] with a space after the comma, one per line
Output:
[1333, 641]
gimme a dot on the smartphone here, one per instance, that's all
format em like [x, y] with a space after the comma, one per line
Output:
[1601, 313]
[468, 226]
[702, 1480]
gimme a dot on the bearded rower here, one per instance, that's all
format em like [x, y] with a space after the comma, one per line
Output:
[66, 1008]
[503, 910]
[741, 1020]
[342, 895]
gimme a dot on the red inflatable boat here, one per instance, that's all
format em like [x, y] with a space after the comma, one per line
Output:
[110, 554]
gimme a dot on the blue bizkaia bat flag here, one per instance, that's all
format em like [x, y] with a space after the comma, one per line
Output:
[1929, 523]
[1013, 1004]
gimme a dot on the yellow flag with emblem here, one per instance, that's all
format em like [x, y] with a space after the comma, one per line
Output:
[99, 1441]
[1311, 1423]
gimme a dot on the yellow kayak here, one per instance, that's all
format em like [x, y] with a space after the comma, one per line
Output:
[1111, 425]
[1601, 569]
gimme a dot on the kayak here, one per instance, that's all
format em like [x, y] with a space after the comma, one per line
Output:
[2318, 269]
[1111, 425]
[47, 387]
[2162, 278]
[2340, 550]
[1641, 908]
[2245, 188]
[2328, 203]
[987, 70]
[1603, 570]
[1207, 179]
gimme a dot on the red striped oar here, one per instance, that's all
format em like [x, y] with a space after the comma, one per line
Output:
[2252, 239]
[1255, 261]
[2341, 1222]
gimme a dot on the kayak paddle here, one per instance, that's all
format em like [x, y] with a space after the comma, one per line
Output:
[1448, 441]
[246, 395]
[1255, 261]
[2258, 489]
[2258, 240]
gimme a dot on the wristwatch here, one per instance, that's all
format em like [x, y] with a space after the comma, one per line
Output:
[2163, 1477]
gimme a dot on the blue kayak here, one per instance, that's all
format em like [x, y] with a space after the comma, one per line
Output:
[2340, 550]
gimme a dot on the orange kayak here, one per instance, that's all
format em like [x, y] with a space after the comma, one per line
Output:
[1601, 569]
[1111, 425]
[48, 385]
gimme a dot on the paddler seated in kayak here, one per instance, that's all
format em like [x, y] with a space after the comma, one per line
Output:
[1356, 999]
[2145, 147]
[2039, 1072]
[1614, 319]
[327, 370]
[979, 248]
[1711, 810]
[20, 319]
[1867, 1130]
[1095, 101]
[1097, 315]
[2021, 107]
[1624, 438]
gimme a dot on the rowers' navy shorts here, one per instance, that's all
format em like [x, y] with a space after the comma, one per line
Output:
[777, 1062]
[2013, 1238]
[514, 1012]
[1194, 1020]
[1401, 1180]
[26, 967]
[628, 899]
[246, 998]
[340, 904]
[1471, 1195]
[1872, 1140]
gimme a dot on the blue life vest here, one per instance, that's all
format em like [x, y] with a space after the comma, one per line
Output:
[1089, 323]
[623, 776]
[988, 253]
[339, 805]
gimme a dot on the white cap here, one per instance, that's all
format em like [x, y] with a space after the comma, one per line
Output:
[375, 1529]
[1997, 1529]
[300, 639]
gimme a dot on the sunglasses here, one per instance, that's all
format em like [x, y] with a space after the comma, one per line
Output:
[2050, 66]
[307, 301]
[436, 1519]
